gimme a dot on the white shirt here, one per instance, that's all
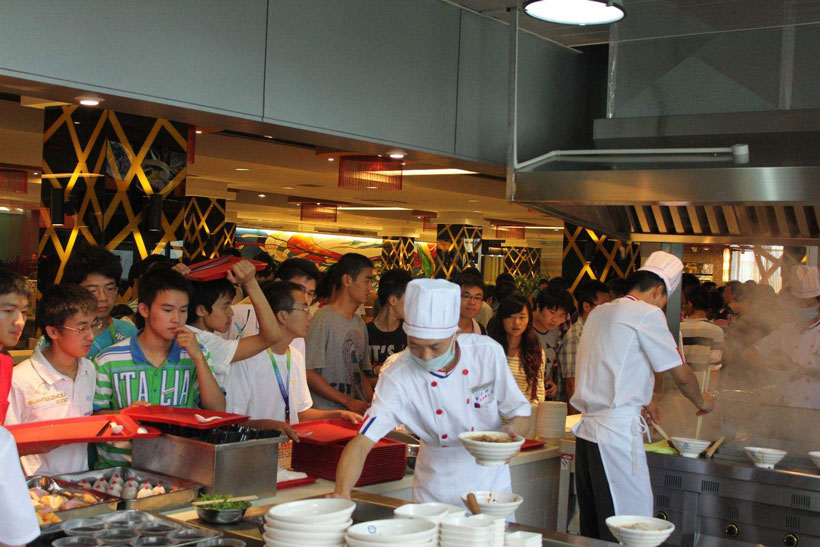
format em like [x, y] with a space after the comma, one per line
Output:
[18, 523]
[246, 324]
[623, 343]
[38, 393]
[221, 352]
[802, 347]
[471, 397]
[254, 391]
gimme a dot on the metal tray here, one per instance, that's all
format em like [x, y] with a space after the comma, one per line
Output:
[53, 485]
[184, 491]
[55, 531]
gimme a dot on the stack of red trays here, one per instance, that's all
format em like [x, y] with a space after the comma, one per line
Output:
[318, 454]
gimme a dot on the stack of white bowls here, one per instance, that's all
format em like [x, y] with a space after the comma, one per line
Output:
[472, 531]
[490, 453]
[392, 533]
[319, 522]
[495, 504]
[431, 512]
[551, 420]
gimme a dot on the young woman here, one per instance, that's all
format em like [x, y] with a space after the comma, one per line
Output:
[525, 356]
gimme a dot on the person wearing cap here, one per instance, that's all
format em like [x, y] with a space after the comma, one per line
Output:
[440, 386]
[623, 343]
[798, 341]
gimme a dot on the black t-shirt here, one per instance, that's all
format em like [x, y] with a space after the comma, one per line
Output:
[384, 344]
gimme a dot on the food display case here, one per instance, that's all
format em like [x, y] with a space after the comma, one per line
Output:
[56, 500]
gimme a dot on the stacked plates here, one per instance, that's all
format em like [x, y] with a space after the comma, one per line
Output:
[395, 532]
[319, 522]
[473, 531]
[495, 504]
[522, 539]
[487, 452]
[639, 531]
[551, 420]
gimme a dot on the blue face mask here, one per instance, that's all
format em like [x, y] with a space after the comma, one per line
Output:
[437, 363]
[805, 315]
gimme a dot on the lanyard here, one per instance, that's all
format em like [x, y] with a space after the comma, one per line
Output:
[284, 387]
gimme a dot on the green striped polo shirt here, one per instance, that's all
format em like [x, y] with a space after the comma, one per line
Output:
[125, 376]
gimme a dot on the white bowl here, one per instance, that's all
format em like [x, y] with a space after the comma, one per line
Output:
[490, 453]
[431, 511]
[320, 510]
[353, 542]
[766, 458]
[690, 448]
[523, 539]
[275, 543]
[405, 530]
[320, 527]
[815, 457]
[497, 504]
[318, 538]
[468, 528]
[620, 526]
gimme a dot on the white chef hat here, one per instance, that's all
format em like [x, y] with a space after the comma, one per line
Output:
[805, 282]
[668, 267]
[431, 308]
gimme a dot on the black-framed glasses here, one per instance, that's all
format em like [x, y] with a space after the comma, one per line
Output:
[473, 297]
[90, 328]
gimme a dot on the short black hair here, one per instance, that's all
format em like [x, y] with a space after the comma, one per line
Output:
[618, 286]
[689, 280]
[698, 296]
[543, 281]
[230, 251]
[555, 299]
[60, 302]
[92, 260]
[504, 290]
[393, 283]
[12, 283]
[472, 270]
[644, 280]
[709, 285]
[558, 283]
[297, 267]
[351, 264]
[470, 280]
[327, 280]
[270, 264]
[205, 294]
[504, 277]
[146, 264]
[159, 279]
[588, 292]
[279, 295]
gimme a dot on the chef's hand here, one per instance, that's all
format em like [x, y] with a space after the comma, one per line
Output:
[241, 273]
[652, 413]
[357, 406]
[349, 416]
[708, 404]
[510, 430]
[186, 339]
[181, 268]
[550, 389]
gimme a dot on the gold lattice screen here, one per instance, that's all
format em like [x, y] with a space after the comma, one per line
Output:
[458, 247]
[588, 255]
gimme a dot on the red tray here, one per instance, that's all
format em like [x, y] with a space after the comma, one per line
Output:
[295, 482]
[182, 416]
[386, 462]
[531, 444]
[217, 268]
[326, 431]
[38, 437]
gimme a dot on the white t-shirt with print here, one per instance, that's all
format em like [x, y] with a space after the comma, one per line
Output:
[220, 350]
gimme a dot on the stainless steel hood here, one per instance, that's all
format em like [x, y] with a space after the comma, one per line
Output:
[774, 198]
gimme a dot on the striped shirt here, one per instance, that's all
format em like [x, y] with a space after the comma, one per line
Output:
[125, 376]
[702, 343]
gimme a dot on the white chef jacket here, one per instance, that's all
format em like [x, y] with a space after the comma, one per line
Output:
[38, 393]
[253, 390]
[623, 343]
[220, 351]
[803, 347]
[438, 407]
[18, 523]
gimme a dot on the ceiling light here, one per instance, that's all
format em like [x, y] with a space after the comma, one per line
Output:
[262, 196]
[576, 12]
[372, 187]
[198, 131]
[472, 201]
[343, 208]
[287, 188]
[36, 173]
[4, 209]
[242, 169]
[427, 172]
[397, 155]
[330, 159]
[268, 136]
[89, 101]
[76, 123]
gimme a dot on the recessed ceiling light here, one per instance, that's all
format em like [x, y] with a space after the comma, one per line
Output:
[89, 101]
[476, 211]
[330, 159]
[472, 201]
[423, 172]
[242, 169]
[36, 173]
[268, 136]
[262, 196]
[576, 12]
[372, 187]
[397, 155]
[76, 123]
[198, 131]
[287, 187]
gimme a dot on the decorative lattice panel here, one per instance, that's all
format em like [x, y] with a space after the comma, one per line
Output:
[458, 247]
[588, 255]
[206, 232]
[398, 252]
[523, 261]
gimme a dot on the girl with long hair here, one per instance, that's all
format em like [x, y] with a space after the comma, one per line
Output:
[525, 356]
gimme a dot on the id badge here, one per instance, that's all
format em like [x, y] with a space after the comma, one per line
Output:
[482, 394]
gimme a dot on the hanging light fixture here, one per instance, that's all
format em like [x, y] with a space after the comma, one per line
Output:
[576, 12]
[370, 173]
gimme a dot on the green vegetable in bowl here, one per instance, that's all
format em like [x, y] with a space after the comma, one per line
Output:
[220, 504]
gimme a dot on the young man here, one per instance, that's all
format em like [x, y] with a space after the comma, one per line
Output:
[385, 335]
[336, 343]
[589, 295]
[211, 314]
[13, 309]
[271, 387]
[58, 381]
[163, 365]
[552, 308]
[472, 296]
[99, 271]
[702, 339]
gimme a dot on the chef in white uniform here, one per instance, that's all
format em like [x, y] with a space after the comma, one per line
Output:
[441, 385]
[799, 341]
[623, 344]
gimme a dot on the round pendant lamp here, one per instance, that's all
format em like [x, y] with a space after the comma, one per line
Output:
[576, 12]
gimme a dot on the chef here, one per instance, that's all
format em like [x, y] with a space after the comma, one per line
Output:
[799, 341]
[441, 385]
[623, 344]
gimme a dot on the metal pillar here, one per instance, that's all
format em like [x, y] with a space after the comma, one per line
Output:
[512, 105]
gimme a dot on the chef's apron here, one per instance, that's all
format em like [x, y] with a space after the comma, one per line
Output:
[444, 473]
[619, 434]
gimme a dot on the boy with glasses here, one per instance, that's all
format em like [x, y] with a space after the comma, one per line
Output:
[472, 296]
[58, 381]
[13, 308]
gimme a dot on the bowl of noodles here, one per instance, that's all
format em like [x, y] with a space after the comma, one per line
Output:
[639, 531]
[491, 448]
